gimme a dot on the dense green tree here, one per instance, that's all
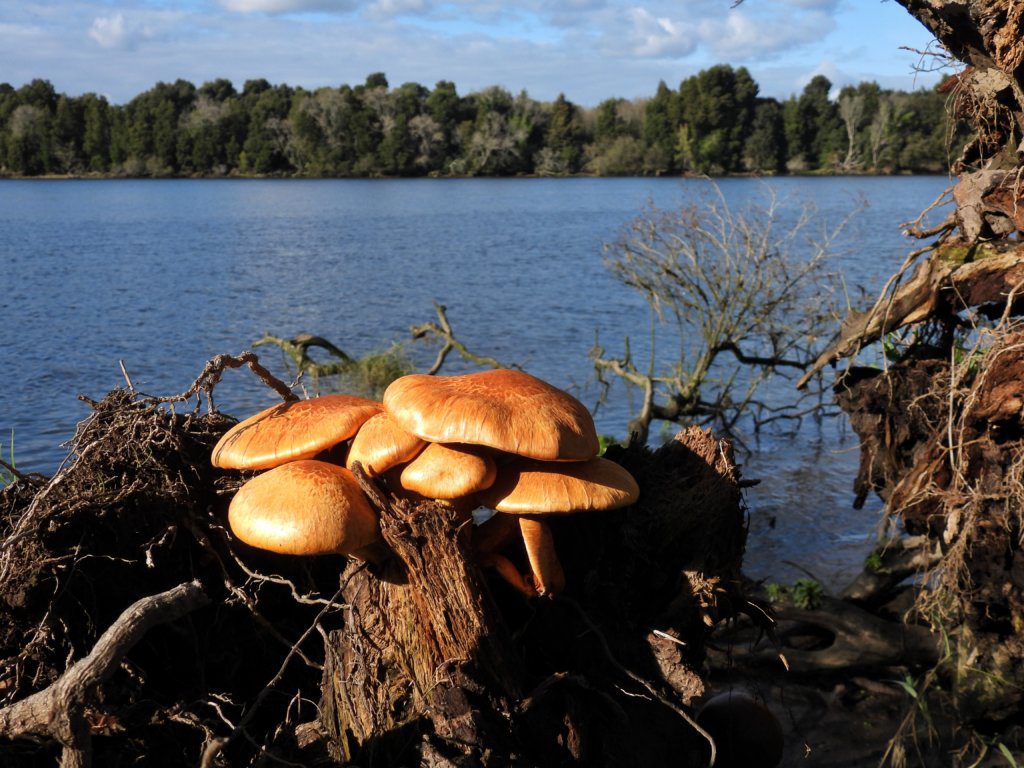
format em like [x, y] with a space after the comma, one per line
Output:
[449, 111]
[716, 113]
[609, 122]
[96, 132]
[661, 123]
[765, 148]
[563, 138]
[714, 123]
[818, 132]
[264, 148]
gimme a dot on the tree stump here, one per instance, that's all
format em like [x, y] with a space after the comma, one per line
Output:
[440, 663]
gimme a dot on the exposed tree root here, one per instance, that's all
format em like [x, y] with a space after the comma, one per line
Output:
[424, 658]
[58, 711]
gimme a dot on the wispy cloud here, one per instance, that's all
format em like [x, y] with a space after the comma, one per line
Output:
[114, 32]
[383, 9]
[743, 35]
[658, 36]
[287, 6]
[588, 49]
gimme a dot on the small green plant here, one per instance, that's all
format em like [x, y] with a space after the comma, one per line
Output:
[604, 441]
[889, 348]
[6, 475]
[370, 375]
[969, 357]
[873, 563]
[1005, 751]
[776, 592]
[807, 594]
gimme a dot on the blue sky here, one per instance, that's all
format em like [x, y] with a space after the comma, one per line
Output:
[588, 49]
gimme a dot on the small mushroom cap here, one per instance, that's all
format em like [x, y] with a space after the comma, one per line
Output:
[746, 732]
[381, 444]
[303, 508]
[448, 472]
[292, 431]
[526, 487]
[508, 410]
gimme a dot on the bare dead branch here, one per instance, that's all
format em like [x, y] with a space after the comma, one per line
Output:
[57, 711]
[442, 331]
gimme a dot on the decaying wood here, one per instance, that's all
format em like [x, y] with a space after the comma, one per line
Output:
[893, 412]
[440, 657]
[58, 712]
[976, 258]
[952, 471]
[859, 640]
[898, 560]
[954, 277]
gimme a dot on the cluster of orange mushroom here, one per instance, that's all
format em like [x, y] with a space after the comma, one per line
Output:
[498, 439]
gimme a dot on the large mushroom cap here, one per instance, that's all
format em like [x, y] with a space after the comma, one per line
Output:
[381, 444]
[303, 508]
[292, 431]
[448, 472]
[526, 487]
[508, 410]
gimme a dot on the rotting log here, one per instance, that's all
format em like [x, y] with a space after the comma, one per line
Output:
[438, 658]
[954, 277]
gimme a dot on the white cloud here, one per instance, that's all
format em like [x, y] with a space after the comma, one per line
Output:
[382, 9]
[588, 49]
[659, 36]
[286, 6]
[114, 32]
[741, 35]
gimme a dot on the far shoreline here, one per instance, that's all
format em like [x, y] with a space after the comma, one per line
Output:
[449, 177]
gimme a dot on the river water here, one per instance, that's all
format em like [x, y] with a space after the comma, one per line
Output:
[165, 274]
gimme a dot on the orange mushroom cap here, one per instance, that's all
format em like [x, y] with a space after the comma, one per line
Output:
[303, 508]
[381, 444]
[448, 472]
[508, 410]
[292, 431]
[526, 487]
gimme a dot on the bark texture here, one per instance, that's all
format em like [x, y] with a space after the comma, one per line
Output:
[440, 663]
[952, 468]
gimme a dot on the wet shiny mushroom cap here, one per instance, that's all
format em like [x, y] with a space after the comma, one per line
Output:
[448, 472]
[292, 431]
[305, 507]
[508, 410]
[528, 487]
[381, 444]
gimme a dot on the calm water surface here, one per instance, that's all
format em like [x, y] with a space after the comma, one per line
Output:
[166, 274]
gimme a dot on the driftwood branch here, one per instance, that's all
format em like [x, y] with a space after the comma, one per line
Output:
[297, 348]
[897, 560]
[214, 370]
[57, 712]
[442, 331]
[861, 640]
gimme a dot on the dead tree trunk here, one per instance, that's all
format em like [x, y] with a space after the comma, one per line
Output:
[439, 663]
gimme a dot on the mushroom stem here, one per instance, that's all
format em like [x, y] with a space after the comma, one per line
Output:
[548, 577]
[509, 573]
[493, 535]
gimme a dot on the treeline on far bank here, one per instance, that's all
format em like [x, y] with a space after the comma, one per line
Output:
[714, 122]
